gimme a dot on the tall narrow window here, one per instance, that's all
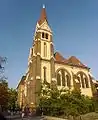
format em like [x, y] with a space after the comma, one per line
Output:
[45, 49]
[63, 77]
[43, 35]
[82, 80]
[58, 79]
[44, 69]
[86, 82]
[46, 35]
[52, 50]
[68, 81]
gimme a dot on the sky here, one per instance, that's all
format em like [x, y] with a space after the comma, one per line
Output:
[75, 32]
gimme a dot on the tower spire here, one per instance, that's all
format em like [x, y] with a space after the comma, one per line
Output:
[43, 15]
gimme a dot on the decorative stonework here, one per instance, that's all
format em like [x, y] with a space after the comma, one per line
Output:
[37, 77]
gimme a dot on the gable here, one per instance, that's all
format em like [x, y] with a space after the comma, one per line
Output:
[45, 26]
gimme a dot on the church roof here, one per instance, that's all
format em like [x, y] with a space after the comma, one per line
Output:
[21, 82]
[59, 57]
[43, 16]
[70, 61]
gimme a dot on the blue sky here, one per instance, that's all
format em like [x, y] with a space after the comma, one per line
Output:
[74, 24]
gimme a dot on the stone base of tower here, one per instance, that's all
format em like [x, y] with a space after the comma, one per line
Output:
[33, 93]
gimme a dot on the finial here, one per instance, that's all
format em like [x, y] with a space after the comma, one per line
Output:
[43, 6]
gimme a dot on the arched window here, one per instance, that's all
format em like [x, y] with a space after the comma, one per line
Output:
[45, 49]
[78, 78]
[67, 81]
[83, 80]
[46, 35]
[44, 69]
[52, 50]
[86, 82]
[58, 79]
[43, 35]
[63, 77]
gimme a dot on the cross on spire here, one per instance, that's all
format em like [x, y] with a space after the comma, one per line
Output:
[43, 5]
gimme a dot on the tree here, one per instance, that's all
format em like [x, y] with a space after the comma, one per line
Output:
[3, 85]
[3, 94]
[12, 103]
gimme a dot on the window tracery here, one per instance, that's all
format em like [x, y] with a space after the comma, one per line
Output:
[63, 78]
[83, 80]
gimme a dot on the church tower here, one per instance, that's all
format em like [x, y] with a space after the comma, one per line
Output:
[41, 67]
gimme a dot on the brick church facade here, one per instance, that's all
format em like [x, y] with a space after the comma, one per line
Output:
[46, 66]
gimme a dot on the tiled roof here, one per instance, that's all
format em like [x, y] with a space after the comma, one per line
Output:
[43, 16]
[70, 61]
[59, 57]
[75, 61]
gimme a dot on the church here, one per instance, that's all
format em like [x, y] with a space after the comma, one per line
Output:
[45, 66]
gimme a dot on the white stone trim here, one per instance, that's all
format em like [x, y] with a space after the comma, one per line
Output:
[30, 61]
[76, 81]
[30, 53]
[52, 56]
[45, 32]
[38, 53]
[37, 77]
[27, 76]
[34, 54]
[31, 78]
[52, 43]
[28, 82]
[37, 25]
[54, 79]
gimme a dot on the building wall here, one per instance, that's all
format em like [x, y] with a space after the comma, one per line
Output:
[48, 50]
[75, 70]
[21, 98]
[46, 64]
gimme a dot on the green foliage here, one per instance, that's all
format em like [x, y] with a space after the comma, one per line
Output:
[8, 97]
[3, 94]
[56, 102]
[12, 103]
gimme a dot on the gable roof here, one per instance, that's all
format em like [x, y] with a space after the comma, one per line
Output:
[75, 61]
[70, 61]
[59, 57]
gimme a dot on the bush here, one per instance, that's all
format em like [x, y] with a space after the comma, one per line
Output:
[56, 102]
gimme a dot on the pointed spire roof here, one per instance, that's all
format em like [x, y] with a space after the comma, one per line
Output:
[43, 16]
